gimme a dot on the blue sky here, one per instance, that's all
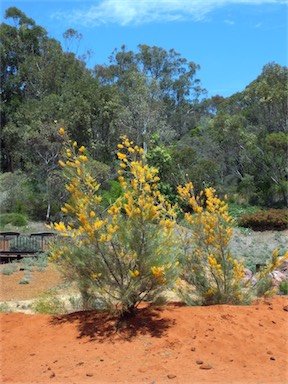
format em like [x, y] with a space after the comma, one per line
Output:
[231, 40]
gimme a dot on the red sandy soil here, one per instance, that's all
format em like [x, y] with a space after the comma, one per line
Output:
[170, 344]
[41, 282]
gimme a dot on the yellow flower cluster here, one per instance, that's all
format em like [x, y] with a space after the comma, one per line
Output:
[134, 274]
[238, 271]
[82, 188]
[159, 274]
[142, 182]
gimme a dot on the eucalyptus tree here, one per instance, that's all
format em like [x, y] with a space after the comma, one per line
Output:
[156, 91]
[17, 41]
[41, 84]
[250, 130]
[265, 99]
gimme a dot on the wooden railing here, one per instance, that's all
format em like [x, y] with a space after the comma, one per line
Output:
[14, 245]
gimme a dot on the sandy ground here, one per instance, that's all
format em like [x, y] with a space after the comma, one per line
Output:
[170, 344]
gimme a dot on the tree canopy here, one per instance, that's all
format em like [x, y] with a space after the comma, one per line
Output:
[236, 144]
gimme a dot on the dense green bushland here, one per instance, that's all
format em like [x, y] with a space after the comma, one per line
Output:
[237, 145]
[14, 219]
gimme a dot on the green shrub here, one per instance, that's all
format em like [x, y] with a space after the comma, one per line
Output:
[283, 287]
[112, 194]
[16, 219]
[9, 269]
[264, 287]
[238, 210]
[41, 261]
[25, 280]
[272, 219]
[4, 308]
[48, 303]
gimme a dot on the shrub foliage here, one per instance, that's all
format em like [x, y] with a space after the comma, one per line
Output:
[15, 219]
[213, 276]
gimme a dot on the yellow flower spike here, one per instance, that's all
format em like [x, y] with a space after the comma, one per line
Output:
[121, 156]
[83, 158]
[92, 214]
[61, 163]
[102, 238]
[75, 144]
[98, 224]
[120, 146]
[113, 210]
[62, 131]
[93, 276]
[123, 165]
[60, 227]
[275, 253]
[82, 149]
[134, 274]
[157, 271]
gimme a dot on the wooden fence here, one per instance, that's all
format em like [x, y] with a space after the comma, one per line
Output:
[13, 245]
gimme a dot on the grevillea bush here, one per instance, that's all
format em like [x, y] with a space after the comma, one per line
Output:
[124, 255]
[211, 273]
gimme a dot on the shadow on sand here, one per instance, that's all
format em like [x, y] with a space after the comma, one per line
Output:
[101, 326]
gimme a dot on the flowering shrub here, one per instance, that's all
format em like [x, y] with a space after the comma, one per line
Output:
[212, 274]
[126, 255]
[262, 285]
[129, 253]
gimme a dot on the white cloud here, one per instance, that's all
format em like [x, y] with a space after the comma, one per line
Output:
[135, 12]
[230, 22]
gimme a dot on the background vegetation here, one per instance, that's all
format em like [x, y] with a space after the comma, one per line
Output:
[237, 145]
